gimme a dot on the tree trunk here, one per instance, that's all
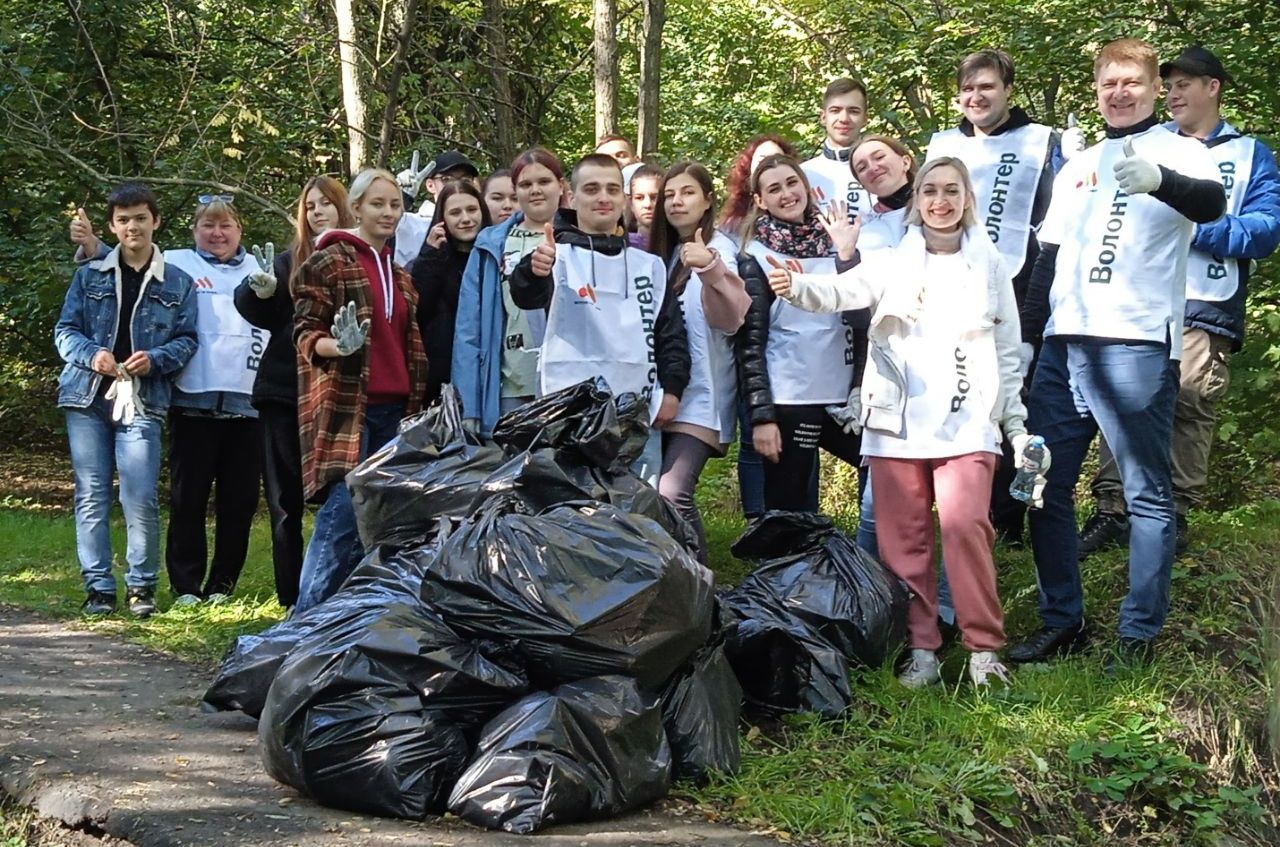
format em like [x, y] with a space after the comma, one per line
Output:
[495, 36]
[392, 89]
[605, 22]
[655, 16]
[353, 94]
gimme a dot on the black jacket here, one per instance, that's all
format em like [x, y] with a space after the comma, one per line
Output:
[437, 275]
[277, 380]
[671, 342]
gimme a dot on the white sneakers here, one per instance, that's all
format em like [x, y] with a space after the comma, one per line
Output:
[984, 668]
[186, 600]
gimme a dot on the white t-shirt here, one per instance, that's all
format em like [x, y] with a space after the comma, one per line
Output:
[1122, 260]
[945, 414]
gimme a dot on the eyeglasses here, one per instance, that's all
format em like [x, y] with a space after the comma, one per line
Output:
[206, 199]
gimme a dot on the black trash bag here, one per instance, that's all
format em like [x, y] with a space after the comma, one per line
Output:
[432, 469]
[580, 591]
[396, 655]
[586, 419]
[701, 706]
[586, 750]
[821, 576]
[250, 664]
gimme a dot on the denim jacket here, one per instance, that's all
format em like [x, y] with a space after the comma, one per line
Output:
[163, 326]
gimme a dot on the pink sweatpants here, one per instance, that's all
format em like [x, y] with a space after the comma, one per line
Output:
[905, 491]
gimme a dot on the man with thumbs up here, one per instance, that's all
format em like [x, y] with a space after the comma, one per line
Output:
[1107, 294]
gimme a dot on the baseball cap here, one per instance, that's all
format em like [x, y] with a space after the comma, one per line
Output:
[1196, 61]
[451, 160]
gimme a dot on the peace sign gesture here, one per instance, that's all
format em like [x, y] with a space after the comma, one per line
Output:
[410, 179]
[843, 232]
[263, 282]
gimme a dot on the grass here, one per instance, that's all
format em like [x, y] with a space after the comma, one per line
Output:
[1175, 754]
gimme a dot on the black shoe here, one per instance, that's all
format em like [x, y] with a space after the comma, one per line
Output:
[950, 633]
[1103, 530]
[98, 603]
[141, 602]
[1180, 546]
[1047, 642]
[1130, 653]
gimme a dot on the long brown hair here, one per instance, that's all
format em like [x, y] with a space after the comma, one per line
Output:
[737, 194]
[663, 238]
[304, 240]
[748, 230]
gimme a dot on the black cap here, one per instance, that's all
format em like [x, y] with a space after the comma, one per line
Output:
[452, 160]
[1196, 61]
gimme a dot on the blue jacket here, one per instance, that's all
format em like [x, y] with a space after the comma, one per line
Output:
[163, 325]
[1252, 234]
[481, 327]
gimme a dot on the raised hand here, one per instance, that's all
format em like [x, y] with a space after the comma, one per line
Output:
[844, 233]
[411, 179]
[543, 257]
[779, 277]
[1072, 139]
[437, 236]
[349, 333]
[696, 254]
[264, 282]
[82, 234]
[1135, 174]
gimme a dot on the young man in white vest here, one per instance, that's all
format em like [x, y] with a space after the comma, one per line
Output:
[1108, 293]
[843, 116]
[1012, 162]
[607, 313]
[1217, 283]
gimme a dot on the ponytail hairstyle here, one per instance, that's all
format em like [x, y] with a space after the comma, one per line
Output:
[663, 237]
[737, 195]
[304, 239]
[748, 230]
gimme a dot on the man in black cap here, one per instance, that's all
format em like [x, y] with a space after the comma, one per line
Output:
[412, 231]
[1217, 283]
[448, 167]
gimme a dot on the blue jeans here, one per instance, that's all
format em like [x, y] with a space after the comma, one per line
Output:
[750, 468]
[101, 447]
[335, 548]
[1127, 391]
[866, 538]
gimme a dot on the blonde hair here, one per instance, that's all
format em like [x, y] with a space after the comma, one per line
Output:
[969, 217]
[364, 181]
[1133, 51]
[216, 208]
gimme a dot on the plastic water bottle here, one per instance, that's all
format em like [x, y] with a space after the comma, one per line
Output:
[1024, 482]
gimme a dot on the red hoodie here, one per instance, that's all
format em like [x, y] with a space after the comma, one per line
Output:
[388, 335]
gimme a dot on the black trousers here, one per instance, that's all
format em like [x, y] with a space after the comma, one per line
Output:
[282, 484]
[791, 482]
[1008, 514]
[204, 451]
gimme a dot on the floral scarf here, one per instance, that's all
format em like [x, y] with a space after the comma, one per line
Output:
[805, 240]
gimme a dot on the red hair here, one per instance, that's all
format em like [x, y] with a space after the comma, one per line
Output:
[737, 200]
[536, 156]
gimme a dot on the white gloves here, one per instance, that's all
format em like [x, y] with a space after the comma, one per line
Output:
[1072, 140]
[263, 282]
[1135, 174]
[410, 179]
[349, 333]
[127, 404]
[1034, 498]
[849, 416]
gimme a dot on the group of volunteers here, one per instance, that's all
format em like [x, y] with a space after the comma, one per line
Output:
[919, 319]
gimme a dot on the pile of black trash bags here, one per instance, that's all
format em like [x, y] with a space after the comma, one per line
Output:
[531, 641]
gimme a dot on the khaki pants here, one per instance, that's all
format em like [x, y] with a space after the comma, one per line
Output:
[1204, 379]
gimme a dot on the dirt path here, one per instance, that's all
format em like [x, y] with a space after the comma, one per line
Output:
[106, 736]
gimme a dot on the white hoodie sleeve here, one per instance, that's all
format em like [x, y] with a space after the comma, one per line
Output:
[859, 287]
[1008, 337]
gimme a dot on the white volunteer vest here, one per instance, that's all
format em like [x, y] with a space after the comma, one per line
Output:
[833, 179]
[1208, 277]
[604, 310]
[712, 395]
[229, 348]
[809, 356]
[882, 230]
[1005, 170]
[1121, 268]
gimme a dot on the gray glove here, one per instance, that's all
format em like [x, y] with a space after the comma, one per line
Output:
[263, 282]
[849, 416]
[410, 179]
[1136, 175]
[349, 333]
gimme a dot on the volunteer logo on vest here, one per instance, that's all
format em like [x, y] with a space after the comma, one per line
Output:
[204, 284]
[1090, 182]
[587, 296]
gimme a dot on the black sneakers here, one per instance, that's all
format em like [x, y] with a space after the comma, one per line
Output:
[141, 602]
[98, 603]
[1103, 530]
[1180, 546]
[1047, 642]
[1130, 653]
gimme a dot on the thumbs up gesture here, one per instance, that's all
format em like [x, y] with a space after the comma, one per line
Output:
[1072, 140]
[1135, 174]
[82, 234]
[544, 255]
[779, 277]
[695, 254]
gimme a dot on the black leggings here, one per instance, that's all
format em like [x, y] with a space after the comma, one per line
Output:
[788, 483]
[683, 458]
[282, 482]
